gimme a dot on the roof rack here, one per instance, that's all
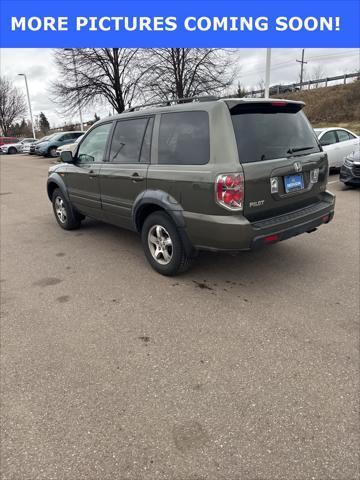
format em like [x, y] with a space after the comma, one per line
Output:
[174, 101]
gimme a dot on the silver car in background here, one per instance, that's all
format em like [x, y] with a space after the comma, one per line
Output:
[18, 147]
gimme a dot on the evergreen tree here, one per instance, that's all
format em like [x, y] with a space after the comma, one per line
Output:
[44, 123]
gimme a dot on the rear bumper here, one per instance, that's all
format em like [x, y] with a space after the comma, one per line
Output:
[234, 233]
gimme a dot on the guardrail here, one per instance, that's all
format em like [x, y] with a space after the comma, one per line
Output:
[292, 87]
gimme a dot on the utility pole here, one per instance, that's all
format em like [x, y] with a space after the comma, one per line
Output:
[77, 85]
[302, 61]
[29, 103]
[267, 73]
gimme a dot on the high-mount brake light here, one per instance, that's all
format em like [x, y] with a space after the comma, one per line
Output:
[229, 188]
[278, 104]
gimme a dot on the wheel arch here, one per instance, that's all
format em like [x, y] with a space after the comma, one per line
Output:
[158, 200]
[154, 200]
[54, 182]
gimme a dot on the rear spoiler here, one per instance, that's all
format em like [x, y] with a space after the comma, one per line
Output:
[233, 102]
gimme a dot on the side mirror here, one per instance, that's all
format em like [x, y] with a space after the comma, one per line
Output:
[66, 156]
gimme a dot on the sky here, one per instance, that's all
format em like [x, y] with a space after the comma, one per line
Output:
[249, 65]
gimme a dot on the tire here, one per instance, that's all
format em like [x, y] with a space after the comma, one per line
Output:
[52, 152]
[12, 151]
[66, 217]
[167, 257]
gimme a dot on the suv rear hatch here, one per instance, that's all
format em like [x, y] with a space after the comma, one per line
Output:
[284, 166]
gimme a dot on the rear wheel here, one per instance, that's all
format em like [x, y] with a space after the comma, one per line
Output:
[67, 218]
[162, 244]
[12, 151]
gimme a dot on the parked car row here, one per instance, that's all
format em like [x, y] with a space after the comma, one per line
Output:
[341, 145]
[15, 145]
[47, 146]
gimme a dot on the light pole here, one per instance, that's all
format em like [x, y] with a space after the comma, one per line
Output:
[267, 73]
[28, 97]
[77, 84]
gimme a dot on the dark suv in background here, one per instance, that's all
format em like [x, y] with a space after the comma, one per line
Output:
[214, 174]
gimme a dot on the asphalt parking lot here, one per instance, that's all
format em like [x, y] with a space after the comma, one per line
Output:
[244, 368]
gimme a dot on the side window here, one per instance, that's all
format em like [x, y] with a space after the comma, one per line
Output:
[67, 136]
[146, 146]
[328, 138]
[184, 138]
[92, 149]
[74, 136]
[127, 140]
[343, 136]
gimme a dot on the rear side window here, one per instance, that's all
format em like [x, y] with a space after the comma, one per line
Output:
[343, 136]
[329, 138]
[127, 140]
[77, 135]
[184, 138]
[67, 136]
[265, 131]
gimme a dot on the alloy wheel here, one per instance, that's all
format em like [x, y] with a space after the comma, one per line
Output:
[60, 209]
[160, 244]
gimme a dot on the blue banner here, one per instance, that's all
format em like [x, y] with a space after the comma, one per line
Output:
[166, 23]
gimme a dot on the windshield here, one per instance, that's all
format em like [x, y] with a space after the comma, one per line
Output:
[265, 131]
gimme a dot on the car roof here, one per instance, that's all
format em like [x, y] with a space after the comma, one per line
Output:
[330, 129]
[190, 106]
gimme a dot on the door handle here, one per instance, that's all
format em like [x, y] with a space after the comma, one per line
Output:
[135, 177]
[92, 174]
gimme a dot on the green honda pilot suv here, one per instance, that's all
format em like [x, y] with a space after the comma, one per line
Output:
[197, 174]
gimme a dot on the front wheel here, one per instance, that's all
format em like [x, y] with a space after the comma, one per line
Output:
[162, 244]
[52, 152]
[67, 218]
[12, 151]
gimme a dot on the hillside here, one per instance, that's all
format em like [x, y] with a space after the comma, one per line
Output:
[338, 105]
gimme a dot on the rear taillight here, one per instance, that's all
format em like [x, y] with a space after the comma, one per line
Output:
[229, 190]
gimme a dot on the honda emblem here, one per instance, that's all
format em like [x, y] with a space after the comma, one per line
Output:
[297, 167]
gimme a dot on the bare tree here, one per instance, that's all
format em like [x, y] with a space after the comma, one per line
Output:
[304, 79]
[317, 74]
[93, 74]
[12, 104]
[186, 72]
[241, 91]
[261, 84]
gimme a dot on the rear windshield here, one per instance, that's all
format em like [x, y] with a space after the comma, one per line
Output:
[266, 131]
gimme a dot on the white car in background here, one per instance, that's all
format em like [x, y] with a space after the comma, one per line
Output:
[337, 143]
[19, 147]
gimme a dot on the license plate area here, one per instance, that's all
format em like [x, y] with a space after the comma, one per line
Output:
[293, 183]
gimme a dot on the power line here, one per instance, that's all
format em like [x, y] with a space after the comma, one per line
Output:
[274, 66]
